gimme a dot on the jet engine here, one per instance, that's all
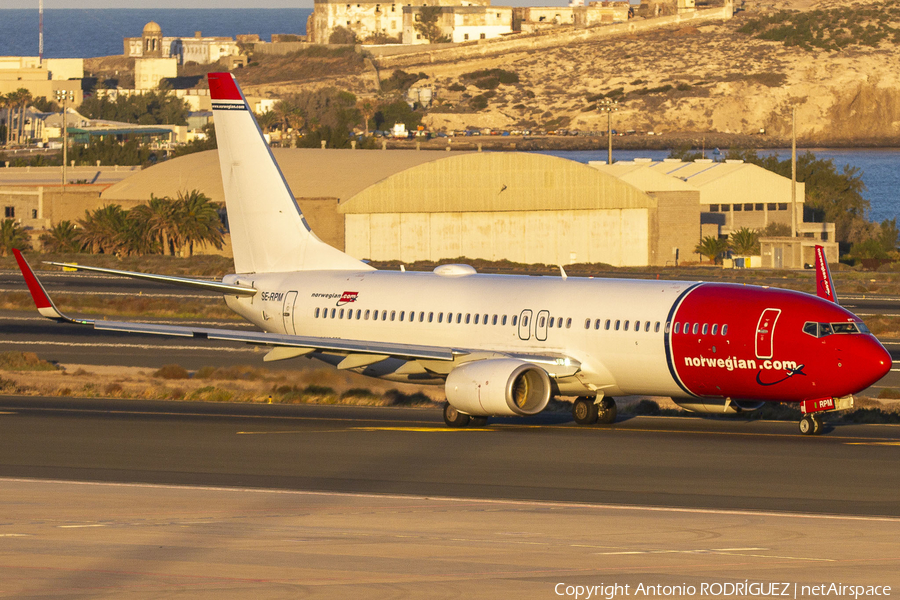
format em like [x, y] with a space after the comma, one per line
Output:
[718, 406]
[498, 387]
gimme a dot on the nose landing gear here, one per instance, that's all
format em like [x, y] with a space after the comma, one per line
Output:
[811, 423]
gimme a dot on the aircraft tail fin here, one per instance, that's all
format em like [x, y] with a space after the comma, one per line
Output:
[824, 283]
[268, 231]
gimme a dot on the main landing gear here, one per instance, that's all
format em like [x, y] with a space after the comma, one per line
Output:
[587, 411]
[454, 418]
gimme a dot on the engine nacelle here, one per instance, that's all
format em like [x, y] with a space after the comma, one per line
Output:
[718, 406]
[498, 387]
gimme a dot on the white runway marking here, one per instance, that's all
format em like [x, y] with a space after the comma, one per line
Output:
[498, 502]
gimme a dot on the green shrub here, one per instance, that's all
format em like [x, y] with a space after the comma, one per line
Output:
[24, 361]
[172, 372]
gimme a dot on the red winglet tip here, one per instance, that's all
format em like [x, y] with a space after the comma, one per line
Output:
[222, 86]
[41, 300]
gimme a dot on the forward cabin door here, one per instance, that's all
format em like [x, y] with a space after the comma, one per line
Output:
[765, 332]
[525, 324]
[288, 313]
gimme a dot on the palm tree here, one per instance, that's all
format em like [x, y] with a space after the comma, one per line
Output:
[25, 98]
[101, 230]
[198, 222]
[160, 215]
[712, 247]
[6, 102]
[63, 237]
[12, 235]
[367, 110]
[267, 121]
[745, 241]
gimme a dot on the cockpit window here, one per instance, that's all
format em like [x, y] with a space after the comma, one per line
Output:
[820, 330]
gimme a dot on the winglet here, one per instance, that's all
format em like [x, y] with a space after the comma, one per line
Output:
[824, 285]
[43, 302]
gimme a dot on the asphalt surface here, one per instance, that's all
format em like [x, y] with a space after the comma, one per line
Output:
[645, 461]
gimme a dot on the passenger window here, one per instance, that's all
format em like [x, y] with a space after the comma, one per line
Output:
[656, 329]
[342, 314]
[626, 326]
[367, 314]
[393, 314]
[317, 313]
[606, 326]
[440, 317]
[476, 318]
[358, 313]
[597, 324]
[515, 320]
[375, 315]
[637, 325]
[559, 323]
[421, 316]
[430, 317]
[725, 329]
[494, 320]
[715, 329]
[468, 317]
[384, 315]
[524, 321]
[333, 310]
[569, 323]
[705, 328]
[503, 320]
[687, 328]
[587, 323]
[617, 324]
[696, 327]
[677, 327]
[484, 321]
[402, 314]
[459, 318]
[647, 327]
[668, 327]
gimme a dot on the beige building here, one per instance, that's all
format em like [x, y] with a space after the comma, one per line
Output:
[536, 18]
[461, 23]
[407, 205]
[199, 49]
[42, 79]
[148, 72]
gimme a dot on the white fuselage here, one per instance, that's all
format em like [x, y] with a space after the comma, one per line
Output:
[482, 313]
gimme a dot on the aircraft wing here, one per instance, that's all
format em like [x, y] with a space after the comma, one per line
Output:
[360, 352]
[305, 344]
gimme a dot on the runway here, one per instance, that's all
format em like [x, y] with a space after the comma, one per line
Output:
[105, 498]
[688, 463]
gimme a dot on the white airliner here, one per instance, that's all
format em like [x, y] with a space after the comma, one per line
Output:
[502, 345]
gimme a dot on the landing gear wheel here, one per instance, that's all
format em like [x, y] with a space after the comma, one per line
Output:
[808, 425]
[607, 411]
[584, 411]
[477, 421]
[454, 418]
[817, 424]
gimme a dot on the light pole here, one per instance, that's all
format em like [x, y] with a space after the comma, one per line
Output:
[65, 96]
[608, 106]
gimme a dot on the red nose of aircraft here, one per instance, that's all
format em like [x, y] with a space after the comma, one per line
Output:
[863, 361]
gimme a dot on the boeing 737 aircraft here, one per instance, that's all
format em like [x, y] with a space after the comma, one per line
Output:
[504, 344]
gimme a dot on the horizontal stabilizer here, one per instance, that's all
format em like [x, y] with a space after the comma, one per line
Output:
[213, 286]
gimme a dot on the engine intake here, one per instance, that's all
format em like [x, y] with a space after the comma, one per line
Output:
[718, 406]
[498, 387]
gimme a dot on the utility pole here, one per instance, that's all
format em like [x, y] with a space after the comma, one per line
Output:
[793, 171]
[65, 96]
[41, 33]
[608, 106]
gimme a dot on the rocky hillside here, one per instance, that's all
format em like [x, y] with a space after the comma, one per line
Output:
[723, 77]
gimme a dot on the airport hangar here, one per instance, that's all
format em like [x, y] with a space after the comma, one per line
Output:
[408, 205]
